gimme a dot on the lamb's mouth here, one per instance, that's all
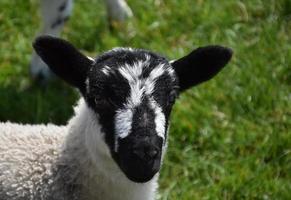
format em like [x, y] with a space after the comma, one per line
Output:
[138, 171]
[141, 173]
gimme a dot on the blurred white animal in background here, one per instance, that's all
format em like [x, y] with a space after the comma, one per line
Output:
[54, 15]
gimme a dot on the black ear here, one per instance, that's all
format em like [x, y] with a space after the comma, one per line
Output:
[201, 65]
[63, 59]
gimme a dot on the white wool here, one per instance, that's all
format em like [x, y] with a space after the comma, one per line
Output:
[28, 153]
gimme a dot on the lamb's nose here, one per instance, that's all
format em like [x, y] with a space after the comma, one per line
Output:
[145, 152]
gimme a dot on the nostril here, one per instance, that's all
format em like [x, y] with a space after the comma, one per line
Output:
[145, 153]
[152, 153]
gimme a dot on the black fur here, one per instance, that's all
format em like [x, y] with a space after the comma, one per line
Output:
[201, 65]
[64, 60]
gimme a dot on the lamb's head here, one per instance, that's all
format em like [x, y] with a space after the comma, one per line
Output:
[132, 91]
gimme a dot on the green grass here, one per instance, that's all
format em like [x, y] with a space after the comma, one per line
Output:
[231, 137]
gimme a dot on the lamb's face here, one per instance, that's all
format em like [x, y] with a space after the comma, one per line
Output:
[133, 92]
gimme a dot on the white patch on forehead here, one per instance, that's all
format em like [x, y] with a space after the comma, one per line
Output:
[105, 70]
[150, 81]
[160, 120]
[157, 72]
[131, 72]
[132, 75]
[123, 123]
[138, 88]
[136, 94]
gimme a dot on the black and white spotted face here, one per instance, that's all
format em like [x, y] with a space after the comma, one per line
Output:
[132, 92]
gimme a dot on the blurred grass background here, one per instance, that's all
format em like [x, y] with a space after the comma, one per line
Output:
[231, 137]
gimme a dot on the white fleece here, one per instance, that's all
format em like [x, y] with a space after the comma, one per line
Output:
[71, 162]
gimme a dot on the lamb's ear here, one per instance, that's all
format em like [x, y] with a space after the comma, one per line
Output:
[201, 65]
[63, 59]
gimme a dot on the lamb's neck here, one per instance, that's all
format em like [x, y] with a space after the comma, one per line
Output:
[85, 143]
[100, 174]
[85, 133]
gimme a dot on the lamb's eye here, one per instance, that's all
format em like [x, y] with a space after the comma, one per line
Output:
[99, 101]
[105, 102]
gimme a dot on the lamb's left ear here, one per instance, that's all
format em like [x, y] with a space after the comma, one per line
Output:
[64, 60]
[201, 65]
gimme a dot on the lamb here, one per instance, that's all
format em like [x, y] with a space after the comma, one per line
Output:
[54, 15]
[114, 145]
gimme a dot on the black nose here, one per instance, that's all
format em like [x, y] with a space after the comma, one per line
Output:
[145, 152]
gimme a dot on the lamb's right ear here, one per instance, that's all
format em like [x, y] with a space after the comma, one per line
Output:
[63, 59]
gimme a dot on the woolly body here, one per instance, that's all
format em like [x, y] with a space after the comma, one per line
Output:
[63, 162]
